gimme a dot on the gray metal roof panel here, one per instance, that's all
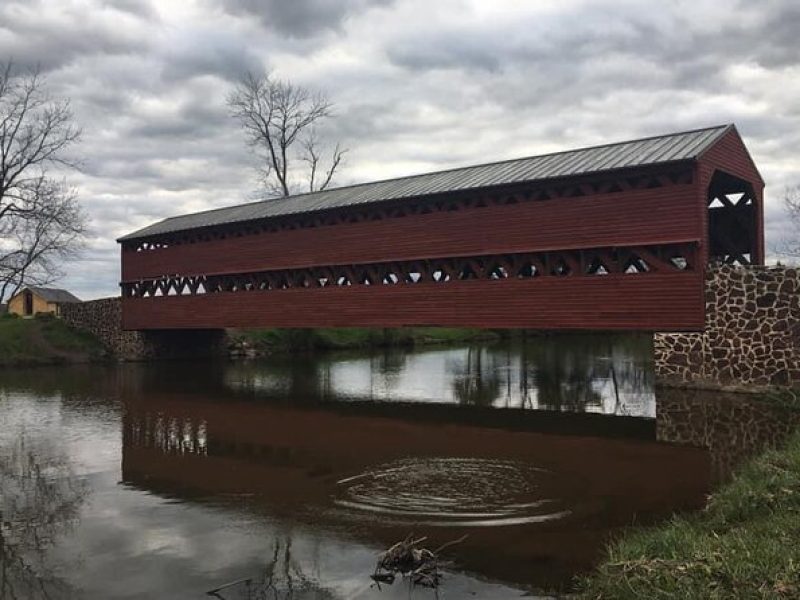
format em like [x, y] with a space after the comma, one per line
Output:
[690, 143]
[542, 168]
[673, 147]
[701, 145]
[625, 156]
[658, 150]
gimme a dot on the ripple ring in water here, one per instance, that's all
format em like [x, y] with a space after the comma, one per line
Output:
[469, 492]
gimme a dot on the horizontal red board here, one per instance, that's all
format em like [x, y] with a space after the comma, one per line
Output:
[637, 217]
[653, 302]
[731, 156]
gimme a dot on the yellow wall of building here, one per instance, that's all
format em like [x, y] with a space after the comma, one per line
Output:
[17, 305]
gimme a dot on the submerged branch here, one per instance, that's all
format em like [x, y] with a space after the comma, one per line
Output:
[409, 559]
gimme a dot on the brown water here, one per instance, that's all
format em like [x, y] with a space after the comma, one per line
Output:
[285, 478]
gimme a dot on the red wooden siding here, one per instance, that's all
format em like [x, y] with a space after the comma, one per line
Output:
[731, 156]
[163, 284]
[658, 302]
[637, 217]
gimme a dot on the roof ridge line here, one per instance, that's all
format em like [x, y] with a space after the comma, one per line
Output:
[293, 197]
[504, 161]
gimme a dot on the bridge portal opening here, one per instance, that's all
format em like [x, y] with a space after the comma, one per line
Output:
[732, 220]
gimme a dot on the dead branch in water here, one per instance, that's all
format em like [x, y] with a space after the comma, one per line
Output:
[409, 559]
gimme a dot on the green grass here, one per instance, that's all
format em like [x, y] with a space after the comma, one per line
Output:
[745, 544]
[44, 340]
[292, 340]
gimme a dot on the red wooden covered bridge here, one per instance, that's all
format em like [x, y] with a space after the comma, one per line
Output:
[604, 238]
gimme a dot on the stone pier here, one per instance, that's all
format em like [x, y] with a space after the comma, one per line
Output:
[752, 334]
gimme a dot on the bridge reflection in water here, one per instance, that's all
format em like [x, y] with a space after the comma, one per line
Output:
[538, 491]
[326, 468]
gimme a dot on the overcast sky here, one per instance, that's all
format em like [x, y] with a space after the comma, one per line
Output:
[418, 86]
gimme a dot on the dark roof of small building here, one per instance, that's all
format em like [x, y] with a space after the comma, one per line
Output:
[54, 295]
[658, 150]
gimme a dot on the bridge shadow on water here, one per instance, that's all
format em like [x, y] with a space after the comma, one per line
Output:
[292, 473]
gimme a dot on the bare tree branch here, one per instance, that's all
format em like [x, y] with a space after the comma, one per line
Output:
[789, 245]
[41, 223]
[338, 155]
[279, 118]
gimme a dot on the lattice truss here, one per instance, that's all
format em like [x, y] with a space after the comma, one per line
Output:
[407, 208]
[565, 263]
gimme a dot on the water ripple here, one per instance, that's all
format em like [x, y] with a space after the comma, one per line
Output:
[471, 492]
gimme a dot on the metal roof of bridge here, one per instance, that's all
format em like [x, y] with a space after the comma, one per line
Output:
[670, 148]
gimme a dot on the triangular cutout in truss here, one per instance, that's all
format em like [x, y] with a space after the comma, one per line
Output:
[526, 270]
[596, 267]
[680, 262]
[635, 264]
[561, 268]
[735, 199]
[497, 272]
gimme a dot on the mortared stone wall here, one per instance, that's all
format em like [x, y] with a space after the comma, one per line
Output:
[752, 334]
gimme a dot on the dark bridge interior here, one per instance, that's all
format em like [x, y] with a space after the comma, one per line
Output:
[732, 220]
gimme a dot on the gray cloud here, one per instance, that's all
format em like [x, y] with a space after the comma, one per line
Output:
[573, 43]
[139, 8]
[301, 18]
[38, 33]
[417, 86]
[209, 53]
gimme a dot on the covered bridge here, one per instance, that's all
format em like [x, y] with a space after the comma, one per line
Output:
[611, 237]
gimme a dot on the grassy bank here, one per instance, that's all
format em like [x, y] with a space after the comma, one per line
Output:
[746, 544]
[44, 341]
[300, 340]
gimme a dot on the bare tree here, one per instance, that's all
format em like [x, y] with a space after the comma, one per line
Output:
[790, 246]
[280, 121]
[41, 502]
[41, 223]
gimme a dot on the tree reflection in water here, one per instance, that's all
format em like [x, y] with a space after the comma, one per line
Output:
[564, 374]
[282, 579]
[610, 374]
[479, 382]
[41, 501]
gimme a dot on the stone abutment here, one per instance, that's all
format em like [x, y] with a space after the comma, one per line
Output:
[752, 334]
[103, 318]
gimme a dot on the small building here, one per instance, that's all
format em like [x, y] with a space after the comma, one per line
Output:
[31, 300]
